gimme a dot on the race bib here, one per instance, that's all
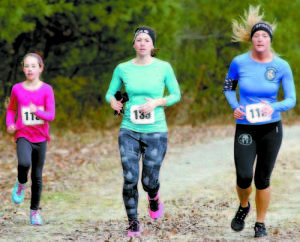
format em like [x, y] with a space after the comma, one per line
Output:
[29, 118]
[254, 113]
[139, 117]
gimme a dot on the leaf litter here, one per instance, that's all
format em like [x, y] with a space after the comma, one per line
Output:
[187, 219]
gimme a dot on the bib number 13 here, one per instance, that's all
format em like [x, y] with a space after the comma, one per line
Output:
[138, 117]
[254, 113]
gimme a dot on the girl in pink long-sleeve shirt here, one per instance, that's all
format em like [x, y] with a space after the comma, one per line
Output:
[29, 112]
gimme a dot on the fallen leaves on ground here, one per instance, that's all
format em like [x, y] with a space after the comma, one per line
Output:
[70, 152]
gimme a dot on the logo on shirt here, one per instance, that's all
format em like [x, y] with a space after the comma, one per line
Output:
[245, 139]
[270, 73]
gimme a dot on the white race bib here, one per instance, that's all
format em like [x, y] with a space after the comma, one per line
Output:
[139, 117]
[29, 118]
[254, 113]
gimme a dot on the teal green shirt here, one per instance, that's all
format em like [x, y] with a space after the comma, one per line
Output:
[141, 82]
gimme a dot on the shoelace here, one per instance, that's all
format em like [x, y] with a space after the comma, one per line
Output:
[35, 213]
[260, 228]
[134, 226]
[154, 205]
[240, 215]
[20, 189]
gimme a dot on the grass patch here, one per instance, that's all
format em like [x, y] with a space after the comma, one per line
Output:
[57, 197]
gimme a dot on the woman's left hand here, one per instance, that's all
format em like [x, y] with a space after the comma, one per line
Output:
[267, 110]
[32, 108]
[150, 105]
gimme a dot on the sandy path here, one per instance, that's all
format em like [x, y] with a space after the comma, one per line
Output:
[203, 171]
[201, 163]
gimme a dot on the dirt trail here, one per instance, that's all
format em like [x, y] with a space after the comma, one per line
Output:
[194, 170]
[202, 163]
[201, 173]
[207, 170]
[204, 171]
[196, 165]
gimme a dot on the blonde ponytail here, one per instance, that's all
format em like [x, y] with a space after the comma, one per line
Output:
[242, 31]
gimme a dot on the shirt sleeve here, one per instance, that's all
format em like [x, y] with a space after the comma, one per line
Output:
[289, 92]
[174, 95]
[12, 109]
[115, 84]
[232, 100]
[49, 113]
[230, 85]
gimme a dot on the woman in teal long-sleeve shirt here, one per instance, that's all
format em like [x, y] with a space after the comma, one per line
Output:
[144, 129]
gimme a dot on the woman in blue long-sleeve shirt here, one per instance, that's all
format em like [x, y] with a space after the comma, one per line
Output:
[258, 74]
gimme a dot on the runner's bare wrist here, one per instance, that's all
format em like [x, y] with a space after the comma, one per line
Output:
[161, 102]
[112, 99]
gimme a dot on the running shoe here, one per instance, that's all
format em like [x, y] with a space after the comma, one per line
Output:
[155, 208]
[35, 217]
[238, 222]
[134, 229]
[18, 193]
[260, 230]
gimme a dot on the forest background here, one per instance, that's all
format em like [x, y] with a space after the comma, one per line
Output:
[81, 42]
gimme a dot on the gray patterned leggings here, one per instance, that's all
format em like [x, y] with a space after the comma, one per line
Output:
[152, 147]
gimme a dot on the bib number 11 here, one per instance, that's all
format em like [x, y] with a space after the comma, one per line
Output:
[29, 118]
[254, 113]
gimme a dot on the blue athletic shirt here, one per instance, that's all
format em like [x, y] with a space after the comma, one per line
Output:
[260, 82]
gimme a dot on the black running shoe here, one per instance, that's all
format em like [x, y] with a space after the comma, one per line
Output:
[134, 229]
[238, 222]
[260, 230]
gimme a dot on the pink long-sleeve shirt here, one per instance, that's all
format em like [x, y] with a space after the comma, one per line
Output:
[32, 126]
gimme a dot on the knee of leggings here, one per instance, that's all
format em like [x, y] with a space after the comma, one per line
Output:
[151, 188]
[244, 182]
[130, 184]
[24, 165]
[261, 184]
[37, 179]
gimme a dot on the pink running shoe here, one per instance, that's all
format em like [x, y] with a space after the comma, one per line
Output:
[134, 229]
[155, 208]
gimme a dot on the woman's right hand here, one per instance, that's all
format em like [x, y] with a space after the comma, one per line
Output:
[238, 113]
[116, 105]
[11, 129]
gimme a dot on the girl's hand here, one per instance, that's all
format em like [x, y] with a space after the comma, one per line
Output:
[32, 108]
[11, 129]
[238, 113]
[149, 106]
[116, 105]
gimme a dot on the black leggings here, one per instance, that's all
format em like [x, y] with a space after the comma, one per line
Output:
[261, 141]
[31, 154]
